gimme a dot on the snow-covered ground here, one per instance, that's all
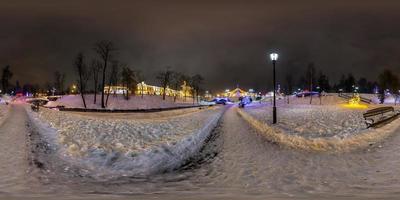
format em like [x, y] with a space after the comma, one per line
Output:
[146, 115]
[333, 99]
[390, 100]
[313, 121]
[328, 99]
[125, 145]
[119, 102]
[334, 125]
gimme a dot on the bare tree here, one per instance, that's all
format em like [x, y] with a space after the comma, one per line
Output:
[196, 82]
[310, 74]
[59, 81]
[80, 67]
[5, 78]
[289, 85]
[95, 68]
[127, 79]
[104, 49]
[176, 82]
[113, 79]
[165, 79]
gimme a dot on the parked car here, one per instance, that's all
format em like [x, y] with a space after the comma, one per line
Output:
[223, 101]
[207, 103]
[306, 94]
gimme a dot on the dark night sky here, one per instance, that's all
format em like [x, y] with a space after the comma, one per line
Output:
[225, 41]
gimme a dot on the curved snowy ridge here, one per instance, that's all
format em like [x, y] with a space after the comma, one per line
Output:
[112, 148]
[368, 137]
[120, 103]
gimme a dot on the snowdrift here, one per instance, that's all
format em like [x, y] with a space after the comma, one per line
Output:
[319, 129]
[119, 102]
[122, 147]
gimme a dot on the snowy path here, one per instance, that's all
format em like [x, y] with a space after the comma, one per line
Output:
[237, 163]
[14, 164]
[246, 163]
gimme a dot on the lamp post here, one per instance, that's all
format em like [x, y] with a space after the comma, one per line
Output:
[274, 57]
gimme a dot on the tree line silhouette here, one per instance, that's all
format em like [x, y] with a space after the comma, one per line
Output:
[105, 69]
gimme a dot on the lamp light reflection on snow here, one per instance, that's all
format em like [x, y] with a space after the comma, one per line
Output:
[354, 103]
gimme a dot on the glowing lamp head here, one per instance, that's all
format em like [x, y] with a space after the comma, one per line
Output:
[273, 56]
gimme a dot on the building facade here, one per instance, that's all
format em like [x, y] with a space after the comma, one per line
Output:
[145, 89]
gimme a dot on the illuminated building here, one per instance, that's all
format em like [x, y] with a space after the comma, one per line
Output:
[236, 93]
[145, 89]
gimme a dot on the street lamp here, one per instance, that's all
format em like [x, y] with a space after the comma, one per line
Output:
[274, 57]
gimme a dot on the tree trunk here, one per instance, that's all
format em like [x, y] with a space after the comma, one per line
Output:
[176, 92]
[95, 91]
[83, 99]
[108, 92]
[197, 96]
[82, 89]
[103, 83]
[311, 87]
[320, 99]
[193, 96]
[95, 95]
[127, 92]
[382, 97]
[142, 90]
[163, 95]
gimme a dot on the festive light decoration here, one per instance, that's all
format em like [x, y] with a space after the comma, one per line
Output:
[354, 103]
[355, 100]
[237, 92]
